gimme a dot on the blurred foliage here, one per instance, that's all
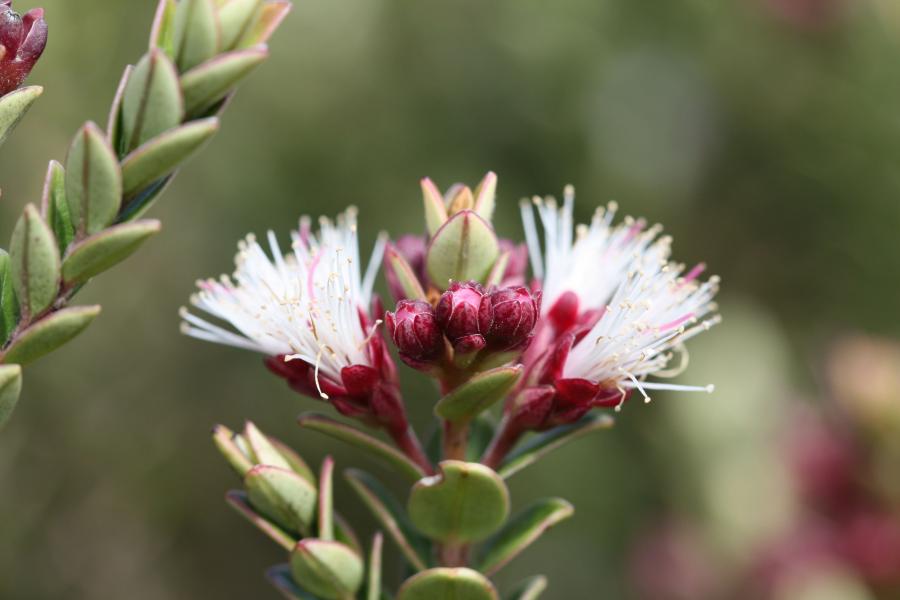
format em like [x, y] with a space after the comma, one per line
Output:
[765, 141]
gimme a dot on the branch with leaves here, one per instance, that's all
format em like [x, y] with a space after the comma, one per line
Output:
[89, 218]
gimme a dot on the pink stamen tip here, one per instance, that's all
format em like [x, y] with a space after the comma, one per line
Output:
[677, 322]
[695, 272]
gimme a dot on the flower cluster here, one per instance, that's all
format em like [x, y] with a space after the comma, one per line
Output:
[605, 310]
[22, 41]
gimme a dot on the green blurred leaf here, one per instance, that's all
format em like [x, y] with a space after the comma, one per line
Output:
[542, 444]
[448, 584]
[294, 460]
[114, 121]
[407, 278]
[93, 181]
[49, 333]
[10, 388]
[263, 452]
[152, 102]
[267, 21]
[373, 584]
[391, 516]
[97, 253]
[282, 496]
[326, 500]
[478, 394]
[208, 83]
[464, 248]
[236, 18]
[197, 33]
[160, 156]
[54, 207]
[223, 438]
[464, 502]
[530, 589]
[435, 209]
[485, 196]
[162, 34]
[9, 304]
[360, 439]
[240, 501]
[145, 199]
[521, 531]
[328, 569]
[280, 576]
[34, 262]
[13, 107]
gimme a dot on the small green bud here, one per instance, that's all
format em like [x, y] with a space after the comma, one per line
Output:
[463, 249]
[328, 569]
[448, 584]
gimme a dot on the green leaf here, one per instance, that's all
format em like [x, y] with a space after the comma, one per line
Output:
[13, 107]
[521, 531]
[208, 83]
[241, 503]
[448, 584]
[280, 577]
[160, 156]
[373, 585]
[326, 500]
[435, 209]
[34, 260]
[464, 248]
[282, 496]
[295, 462]
[478, 394]
[360, 439]
[145, 199]
[49, 333]
[343, 532]
[224, 439]
[464, 502]
[391, 517]
[10, 388]
[263, 452]
[54, 207]
[544, 443]
[197, 33]
[236, 18]
[93, 181]
[9, 304]
[152, 102]
[485, 196]
[530, 589]
[99, 252]
[162, 35]
[407, 278]
[114, 120]
[267, 21]
[328, 569]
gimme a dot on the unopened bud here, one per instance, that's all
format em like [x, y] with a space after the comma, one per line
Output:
[458, 313]
[508, 316]
[414, 329]
[22, 41]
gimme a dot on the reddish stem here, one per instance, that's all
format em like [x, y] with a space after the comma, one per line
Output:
[505, 439]
[409, 444]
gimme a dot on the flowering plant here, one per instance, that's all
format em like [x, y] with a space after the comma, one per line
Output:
[604, 314]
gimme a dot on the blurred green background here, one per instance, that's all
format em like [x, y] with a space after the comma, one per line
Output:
[765, 134]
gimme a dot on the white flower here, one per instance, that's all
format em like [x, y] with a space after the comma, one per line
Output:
[305, 304]
[649, 309]
[592, 263]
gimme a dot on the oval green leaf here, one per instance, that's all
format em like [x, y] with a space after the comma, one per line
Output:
[282, 496]
[406, 277]
[97, 253]
[521, 531]
[160, 156]
[34, 261]
[49, 333]
[270, 17]
[93, 181]
[10, 388]
[236, 17]
[13, 107]
[196, 33]
[151, 101]
[360, 439]
[544, 443]
[208, 83]
[478, 394]
[328, 569]
[448, 584]
[464, 502]
[464, 248]
[9, 304]
[391, 517]
[224, 439]
[54, 208]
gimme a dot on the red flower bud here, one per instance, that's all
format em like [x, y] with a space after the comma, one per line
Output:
[22, 41]
[508, 316]
[458, 313]
[414, 329]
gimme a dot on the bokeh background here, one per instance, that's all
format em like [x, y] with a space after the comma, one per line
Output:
[765, 135]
